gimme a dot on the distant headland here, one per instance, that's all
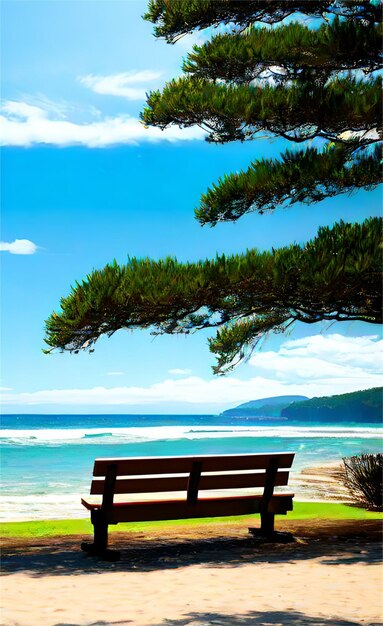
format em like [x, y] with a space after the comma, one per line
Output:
[359, 406]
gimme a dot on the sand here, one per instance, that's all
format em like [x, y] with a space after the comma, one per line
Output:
[320, 483]
[330, 575]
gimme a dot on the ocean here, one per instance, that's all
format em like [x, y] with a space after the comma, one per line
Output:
[47, 460]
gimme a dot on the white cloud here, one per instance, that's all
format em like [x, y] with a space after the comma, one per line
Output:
[23, 124]
[19, 246]
[179, 372]
[324, 358]
[123, 84]
[16, 110]
[339, 365]
[59, 108]
[191, 390]
[115, 373]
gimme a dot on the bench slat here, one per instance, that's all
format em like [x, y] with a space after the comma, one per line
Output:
[183, 464]
[179, 483]
[178, 509]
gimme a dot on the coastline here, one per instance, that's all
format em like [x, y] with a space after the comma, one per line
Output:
[59, 451]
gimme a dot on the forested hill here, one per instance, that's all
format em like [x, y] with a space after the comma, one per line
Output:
[359, 406]
[265, 407]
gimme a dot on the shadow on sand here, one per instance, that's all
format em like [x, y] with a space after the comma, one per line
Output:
[266, 618]
[143, 554]
[253, 618]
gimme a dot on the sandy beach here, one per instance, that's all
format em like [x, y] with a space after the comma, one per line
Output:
[330, 575]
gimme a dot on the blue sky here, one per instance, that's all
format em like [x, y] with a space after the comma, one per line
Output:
[83, 183]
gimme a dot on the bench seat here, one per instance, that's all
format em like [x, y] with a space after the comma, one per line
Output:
[180, 509]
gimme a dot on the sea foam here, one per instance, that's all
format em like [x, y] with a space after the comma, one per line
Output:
[164, 433]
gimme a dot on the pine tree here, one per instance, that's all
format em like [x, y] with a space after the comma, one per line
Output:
[315, 85]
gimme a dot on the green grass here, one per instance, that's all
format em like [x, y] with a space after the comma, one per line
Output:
[302, 511]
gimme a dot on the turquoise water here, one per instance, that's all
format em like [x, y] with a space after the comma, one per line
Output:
[47, 460]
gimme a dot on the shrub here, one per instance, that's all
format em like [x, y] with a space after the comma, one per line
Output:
[363, 477]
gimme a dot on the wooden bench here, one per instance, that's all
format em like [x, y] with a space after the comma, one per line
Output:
[190, 475]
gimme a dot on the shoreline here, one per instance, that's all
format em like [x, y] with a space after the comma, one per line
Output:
[321, 483]
[311, 484]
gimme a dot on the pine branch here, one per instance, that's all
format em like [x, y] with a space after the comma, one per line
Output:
[239, 112]
[335, 276]
[297, 52]
[304, 176]
[179, 17]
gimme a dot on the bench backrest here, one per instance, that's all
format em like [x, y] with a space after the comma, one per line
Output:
[190, 474]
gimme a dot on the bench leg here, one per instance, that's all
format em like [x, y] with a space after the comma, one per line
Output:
[267, 533]
[100, 529]
[267, 524]
[99, 546]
